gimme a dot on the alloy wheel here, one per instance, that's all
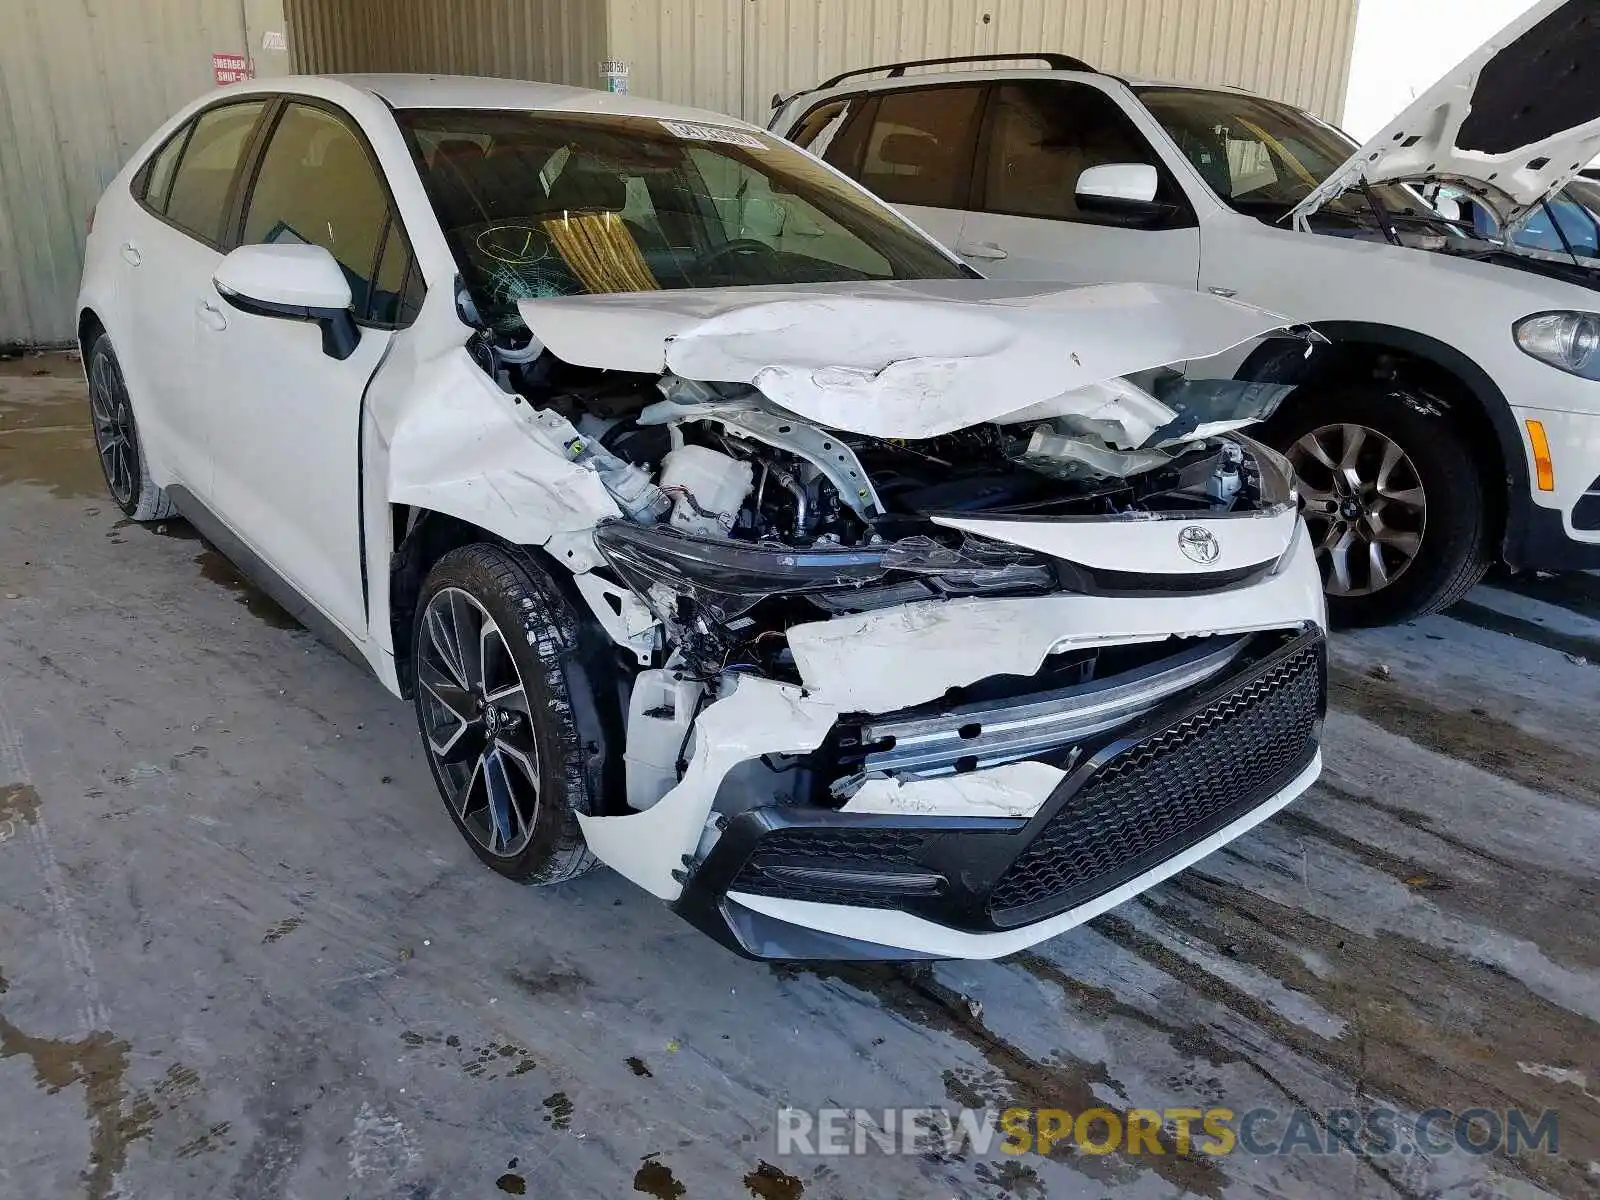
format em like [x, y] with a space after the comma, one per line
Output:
[1364, 504]
[477, 726]
[114, 438]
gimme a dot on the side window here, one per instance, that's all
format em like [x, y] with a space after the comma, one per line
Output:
[397, 285]
[317, 185]
[158, 172]
[843, 142]
[1044, 134]
[920, 149]
[818, 127]
[202, 185]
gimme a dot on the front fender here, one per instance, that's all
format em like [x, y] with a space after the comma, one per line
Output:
[459, 445]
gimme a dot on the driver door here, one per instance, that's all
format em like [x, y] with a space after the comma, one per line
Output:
[286, 415]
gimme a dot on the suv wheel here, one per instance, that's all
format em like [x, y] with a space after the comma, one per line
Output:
[494, 705]
[116, 437]
[1393, 500]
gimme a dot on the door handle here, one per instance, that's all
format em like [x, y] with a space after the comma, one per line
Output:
[210, 315]
[1225, 293]
[131, 254]
[986, 250]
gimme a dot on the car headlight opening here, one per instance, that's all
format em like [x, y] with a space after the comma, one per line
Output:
[1569, 341]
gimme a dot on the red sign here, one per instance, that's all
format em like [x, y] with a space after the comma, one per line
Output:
[229, 68]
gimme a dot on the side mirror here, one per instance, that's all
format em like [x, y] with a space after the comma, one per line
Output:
[293, 282]
[1126, 191]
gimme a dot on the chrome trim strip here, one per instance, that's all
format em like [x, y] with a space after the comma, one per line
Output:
[931, 746]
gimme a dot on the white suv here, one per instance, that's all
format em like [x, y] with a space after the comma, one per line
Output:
[1454, 416]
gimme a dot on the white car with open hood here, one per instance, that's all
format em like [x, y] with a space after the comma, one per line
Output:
[722, 527]
[1451, 417]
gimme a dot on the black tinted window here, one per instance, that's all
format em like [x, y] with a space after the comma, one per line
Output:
[160, 170]
[825, 118]
[921, 146]
[203, 184]
[1044, 135]
[397, 285]
[317, 185]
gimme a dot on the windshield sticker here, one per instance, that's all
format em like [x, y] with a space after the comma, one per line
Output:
[713, 133]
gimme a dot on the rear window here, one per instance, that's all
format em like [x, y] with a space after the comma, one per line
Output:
[160, 170]
[537, 205]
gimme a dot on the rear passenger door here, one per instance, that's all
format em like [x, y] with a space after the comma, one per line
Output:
[1039, 136]
[913, 148]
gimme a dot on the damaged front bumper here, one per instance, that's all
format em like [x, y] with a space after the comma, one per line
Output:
[1133, 804]
[975, 829]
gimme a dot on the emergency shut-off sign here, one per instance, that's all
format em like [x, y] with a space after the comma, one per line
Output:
[229, 68]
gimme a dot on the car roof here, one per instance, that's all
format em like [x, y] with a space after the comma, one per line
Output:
[475, 92]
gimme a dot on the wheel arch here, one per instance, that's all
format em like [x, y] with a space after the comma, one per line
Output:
[89, 324]
[424, 536]
[1413, 365]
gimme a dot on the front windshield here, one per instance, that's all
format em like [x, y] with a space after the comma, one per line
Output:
[1569, 224]
[540, 204]
[1260, 157]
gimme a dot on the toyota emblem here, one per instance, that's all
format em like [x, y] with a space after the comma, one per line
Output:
[1198, 545]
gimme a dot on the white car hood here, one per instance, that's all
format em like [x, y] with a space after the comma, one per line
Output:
[1515, 121]
[901, 359]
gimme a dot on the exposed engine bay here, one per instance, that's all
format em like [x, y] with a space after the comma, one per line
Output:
[878, 574]
[741, 520]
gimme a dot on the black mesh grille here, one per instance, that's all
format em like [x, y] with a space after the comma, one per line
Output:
[865, 849]
[1168, 792]
[818, 847]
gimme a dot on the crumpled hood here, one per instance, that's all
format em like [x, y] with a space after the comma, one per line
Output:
[901, 359]
[1516, 120]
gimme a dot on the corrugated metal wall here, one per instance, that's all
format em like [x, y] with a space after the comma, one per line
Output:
[561, 41]
[732, 55]
[82, 84]
[687, 51]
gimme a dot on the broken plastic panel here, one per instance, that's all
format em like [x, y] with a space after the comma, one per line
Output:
[731, 577]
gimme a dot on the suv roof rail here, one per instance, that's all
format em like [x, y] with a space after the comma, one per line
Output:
[1056, 62]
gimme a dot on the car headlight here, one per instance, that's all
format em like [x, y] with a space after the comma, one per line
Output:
[1569, 341]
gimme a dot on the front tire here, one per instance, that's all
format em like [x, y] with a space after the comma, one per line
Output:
[494, 706]
[1394, 501]
[116, 437]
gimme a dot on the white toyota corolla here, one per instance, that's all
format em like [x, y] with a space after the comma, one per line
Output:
[721, 526]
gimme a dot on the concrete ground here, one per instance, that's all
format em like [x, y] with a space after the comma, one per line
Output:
[243, 953]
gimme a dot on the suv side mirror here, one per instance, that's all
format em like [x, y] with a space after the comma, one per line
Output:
[1126, 191]
[293, 282]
